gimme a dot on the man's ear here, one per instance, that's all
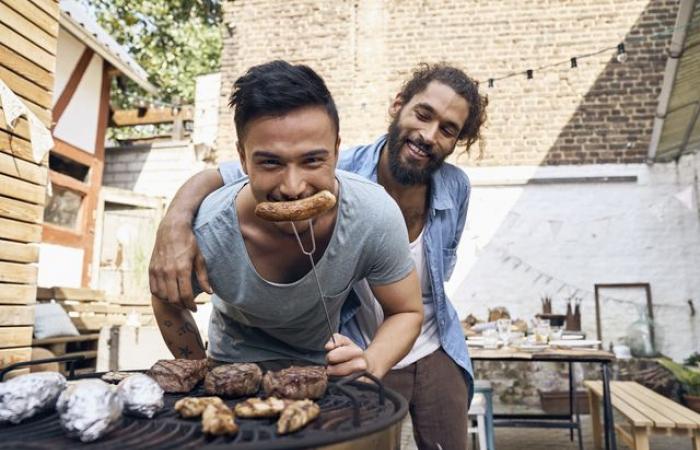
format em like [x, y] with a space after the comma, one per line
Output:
[337, 146]
[241, 157]
[396, 105]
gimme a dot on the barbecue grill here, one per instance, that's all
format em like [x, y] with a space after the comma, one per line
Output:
[354, 415]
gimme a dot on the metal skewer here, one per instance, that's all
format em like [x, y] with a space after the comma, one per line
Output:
[310, 254]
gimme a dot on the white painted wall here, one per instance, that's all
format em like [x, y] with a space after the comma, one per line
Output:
[60, 266]
[68, 52]
[582, 234]
[78, 124]
[159, 170]
[206, 109]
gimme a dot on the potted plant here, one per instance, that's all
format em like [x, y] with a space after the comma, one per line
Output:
[689, 379]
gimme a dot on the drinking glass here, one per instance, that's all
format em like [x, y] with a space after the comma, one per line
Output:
[542, 330]
[503, 326]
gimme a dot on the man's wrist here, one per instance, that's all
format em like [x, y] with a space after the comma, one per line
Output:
[374, 364]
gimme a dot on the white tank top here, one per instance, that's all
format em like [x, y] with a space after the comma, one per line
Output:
[369, 317]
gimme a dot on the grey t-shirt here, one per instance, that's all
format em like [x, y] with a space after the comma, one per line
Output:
[256, 320]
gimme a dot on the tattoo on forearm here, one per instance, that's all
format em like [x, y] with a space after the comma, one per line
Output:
[185, 351]
[168, 323]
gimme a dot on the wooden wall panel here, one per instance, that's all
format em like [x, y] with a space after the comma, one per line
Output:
[22, 190]
[16, 315]
[34, 173]
[19, 231]
[15, 337]
[23, 46]
[38, 16]
[18, 147]
[28, 40]
[25, 67]
[17, 294]
[22, 211]
[18, 252]
[17, 273]
[29, 29]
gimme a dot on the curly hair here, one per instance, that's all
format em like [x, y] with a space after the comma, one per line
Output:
[463, 85]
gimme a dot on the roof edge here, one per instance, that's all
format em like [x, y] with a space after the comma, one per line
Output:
[88, 39]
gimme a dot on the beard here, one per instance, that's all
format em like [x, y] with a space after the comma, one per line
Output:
[407, 173]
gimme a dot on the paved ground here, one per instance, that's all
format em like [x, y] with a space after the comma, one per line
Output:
[541, 439]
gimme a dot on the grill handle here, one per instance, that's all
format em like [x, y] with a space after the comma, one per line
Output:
[71, 360]
[340, 385]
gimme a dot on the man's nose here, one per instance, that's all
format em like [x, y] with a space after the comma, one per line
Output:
[429, 133]
[293, 185]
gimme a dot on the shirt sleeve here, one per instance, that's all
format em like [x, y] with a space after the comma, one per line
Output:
[391, 258]
[231, 171]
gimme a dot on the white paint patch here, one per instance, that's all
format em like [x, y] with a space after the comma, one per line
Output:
[68, 52]
[78, 124]
[523, 241]
[60, 266]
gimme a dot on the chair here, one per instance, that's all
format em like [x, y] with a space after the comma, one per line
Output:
[481, 411]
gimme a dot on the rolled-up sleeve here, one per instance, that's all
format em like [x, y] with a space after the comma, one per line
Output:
[231, 171]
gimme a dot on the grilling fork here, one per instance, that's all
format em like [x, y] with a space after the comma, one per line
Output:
[310, 254]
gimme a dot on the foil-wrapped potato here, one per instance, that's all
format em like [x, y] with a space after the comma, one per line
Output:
[141, 394]
[27, 395]
[89, 409]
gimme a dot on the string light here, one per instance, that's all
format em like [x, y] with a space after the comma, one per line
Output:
[621, 53]
[621, 56]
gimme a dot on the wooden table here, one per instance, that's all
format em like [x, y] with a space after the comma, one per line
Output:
[569, 356]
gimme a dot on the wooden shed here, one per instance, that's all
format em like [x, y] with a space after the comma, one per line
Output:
[55, 69]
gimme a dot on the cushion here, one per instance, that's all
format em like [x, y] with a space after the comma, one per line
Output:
[51, 320]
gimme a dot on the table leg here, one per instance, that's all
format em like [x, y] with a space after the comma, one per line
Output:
[609, 421]
[571, 400]
[696, 440]
[594, 407]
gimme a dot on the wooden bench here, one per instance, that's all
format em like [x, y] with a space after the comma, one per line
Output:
[84, 345]
[646, 412]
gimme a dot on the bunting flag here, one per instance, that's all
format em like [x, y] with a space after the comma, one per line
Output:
[686, 197]
[13, 107]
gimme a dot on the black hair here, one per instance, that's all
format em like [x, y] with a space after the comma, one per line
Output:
[276, 88]
[462, 84]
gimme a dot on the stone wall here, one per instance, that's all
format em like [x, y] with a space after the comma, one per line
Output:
[601, 112]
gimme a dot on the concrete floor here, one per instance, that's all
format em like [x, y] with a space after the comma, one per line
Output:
[550, 439]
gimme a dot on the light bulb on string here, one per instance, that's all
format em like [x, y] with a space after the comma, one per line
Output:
[529, 74]
[621, 53]
[490, 82]
[574, 63]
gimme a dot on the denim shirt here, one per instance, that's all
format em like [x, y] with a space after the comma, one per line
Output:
[449, 200]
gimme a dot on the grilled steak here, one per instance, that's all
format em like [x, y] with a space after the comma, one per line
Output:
[297, 383]
[233, 380]
[178, 375]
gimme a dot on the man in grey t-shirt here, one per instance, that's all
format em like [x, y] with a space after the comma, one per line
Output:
[266, 304]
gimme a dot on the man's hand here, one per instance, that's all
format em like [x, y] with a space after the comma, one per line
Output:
[345, 357]
[170, 271]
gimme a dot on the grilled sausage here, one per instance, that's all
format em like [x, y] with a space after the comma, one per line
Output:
[296, 210]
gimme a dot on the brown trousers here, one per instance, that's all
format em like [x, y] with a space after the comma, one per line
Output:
[437, 393]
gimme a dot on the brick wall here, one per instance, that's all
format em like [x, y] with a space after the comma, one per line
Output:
[601, 112]
[158, 169]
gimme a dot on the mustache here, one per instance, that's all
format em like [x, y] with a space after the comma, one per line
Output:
[422, 145]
